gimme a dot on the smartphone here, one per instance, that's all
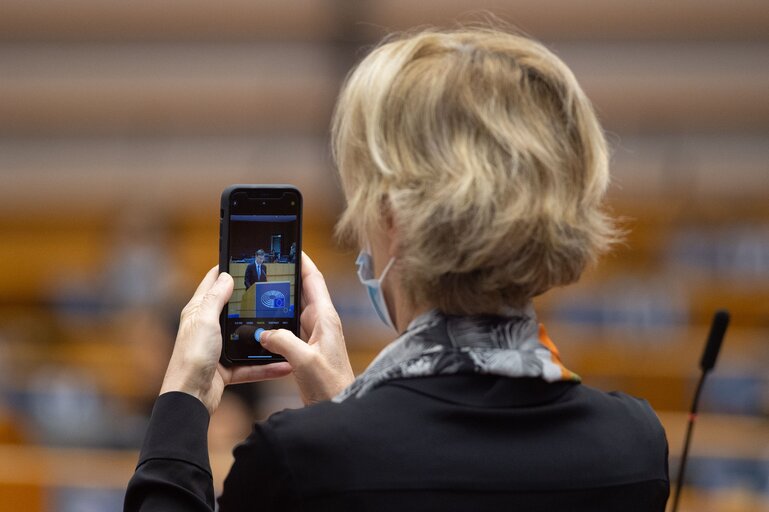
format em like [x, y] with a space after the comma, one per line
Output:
[260, 246]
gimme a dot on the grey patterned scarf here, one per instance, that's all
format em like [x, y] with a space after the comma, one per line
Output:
[510, 345]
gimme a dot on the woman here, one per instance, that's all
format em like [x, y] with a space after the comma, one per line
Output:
[474, 169]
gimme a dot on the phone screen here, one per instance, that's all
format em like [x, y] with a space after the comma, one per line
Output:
[262, 243]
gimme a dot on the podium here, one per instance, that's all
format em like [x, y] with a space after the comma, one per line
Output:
[248, 302]
[244, 305]
[269, 299]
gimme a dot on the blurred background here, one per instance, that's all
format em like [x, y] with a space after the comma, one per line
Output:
[121, 122]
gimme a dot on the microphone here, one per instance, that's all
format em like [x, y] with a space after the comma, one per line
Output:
[716, 336]
[707, 363]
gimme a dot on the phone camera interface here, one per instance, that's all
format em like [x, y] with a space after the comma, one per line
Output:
[263, 254]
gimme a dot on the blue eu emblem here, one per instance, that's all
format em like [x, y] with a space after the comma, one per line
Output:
[273, 299]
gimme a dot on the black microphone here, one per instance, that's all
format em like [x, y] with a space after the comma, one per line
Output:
[707, 363]
[716, 336]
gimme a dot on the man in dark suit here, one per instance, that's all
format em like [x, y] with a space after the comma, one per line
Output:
[256, 272]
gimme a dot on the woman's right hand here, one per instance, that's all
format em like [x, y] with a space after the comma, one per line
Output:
[321, 365]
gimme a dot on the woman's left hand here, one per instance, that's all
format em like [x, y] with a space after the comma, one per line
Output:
[194, 367]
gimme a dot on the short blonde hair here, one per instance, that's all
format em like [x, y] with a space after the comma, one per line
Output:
[489, 157]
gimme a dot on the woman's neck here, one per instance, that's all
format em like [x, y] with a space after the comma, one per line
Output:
[405, 313]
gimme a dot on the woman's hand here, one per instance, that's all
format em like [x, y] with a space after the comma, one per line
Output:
[194, 367]
[321, 366]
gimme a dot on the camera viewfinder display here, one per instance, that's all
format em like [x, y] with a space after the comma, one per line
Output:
[263, 259]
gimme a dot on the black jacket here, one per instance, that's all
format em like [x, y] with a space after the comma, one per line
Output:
[460, 442]
[250, 277]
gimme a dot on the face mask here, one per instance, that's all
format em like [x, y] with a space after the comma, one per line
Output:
[374, 286]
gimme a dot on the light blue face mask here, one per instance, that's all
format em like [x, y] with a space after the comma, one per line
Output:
[374, 286]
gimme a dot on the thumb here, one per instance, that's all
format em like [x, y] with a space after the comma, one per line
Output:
[285, 343]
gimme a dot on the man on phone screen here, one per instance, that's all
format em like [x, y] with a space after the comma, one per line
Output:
[256, 272]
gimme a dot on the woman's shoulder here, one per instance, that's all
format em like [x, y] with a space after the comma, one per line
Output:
[597, 438]
[632, 411]
[336, 416]
[404, 400]
[627, 428]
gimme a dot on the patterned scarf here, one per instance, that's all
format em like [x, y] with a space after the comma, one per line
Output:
[509, 345]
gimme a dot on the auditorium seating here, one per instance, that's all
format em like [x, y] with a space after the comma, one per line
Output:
[114, 110]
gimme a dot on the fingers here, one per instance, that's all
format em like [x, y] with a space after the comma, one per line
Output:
[283, 342]
[219, 293]
[206, 284]
[304, 333]
[243, 374]
[313, 284]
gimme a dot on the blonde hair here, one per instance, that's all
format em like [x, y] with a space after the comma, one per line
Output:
[490, 160]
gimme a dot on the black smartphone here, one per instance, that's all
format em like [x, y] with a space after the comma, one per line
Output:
[260, 246]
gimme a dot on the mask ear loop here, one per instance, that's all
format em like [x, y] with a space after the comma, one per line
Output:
[387, 269]
[367, 250]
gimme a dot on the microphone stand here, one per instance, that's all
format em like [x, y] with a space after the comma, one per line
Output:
[687, 441]
[707, 363]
